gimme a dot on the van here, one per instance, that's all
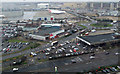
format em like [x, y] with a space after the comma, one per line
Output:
[54, 43]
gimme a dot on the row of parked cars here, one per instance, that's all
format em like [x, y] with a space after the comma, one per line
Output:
[65, 49]
[68, 55]
[13, 45]
[55, 47]
[106, 70]
[9, 31]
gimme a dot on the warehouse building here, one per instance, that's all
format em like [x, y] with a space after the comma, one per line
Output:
[46, 33]
[97, 39]
[43, 5]
[51, 25]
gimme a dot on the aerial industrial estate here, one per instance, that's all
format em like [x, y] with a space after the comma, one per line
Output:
[82, 37]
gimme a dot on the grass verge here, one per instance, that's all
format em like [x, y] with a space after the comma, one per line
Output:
[101, 25]
[13, 58]
[82, 26]
[16, 40]
[17, 66]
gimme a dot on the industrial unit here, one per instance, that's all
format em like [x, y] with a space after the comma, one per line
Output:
[97, 39]
[46, 33]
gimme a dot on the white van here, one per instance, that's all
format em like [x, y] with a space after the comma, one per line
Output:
[54, 43]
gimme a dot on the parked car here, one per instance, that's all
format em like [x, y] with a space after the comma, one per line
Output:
[73, 61]
[106, 53]
[92, 57]
[104, 71]
[47, 53]
[118, 67]
[15, 69]
[33, 54]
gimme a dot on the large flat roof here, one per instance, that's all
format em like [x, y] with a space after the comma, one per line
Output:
[41, 14]
[96, 39]
[46, 31]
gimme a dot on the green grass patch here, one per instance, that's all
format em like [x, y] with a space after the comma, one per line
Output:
[82, 26]
[84, 22]
[25, 62]
[101, 25]
[31, 46]
[15, 40]
[13, 58]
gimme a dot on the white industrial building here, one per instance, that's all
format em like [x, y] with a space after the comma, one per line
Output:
[51, 25]
[43, 5]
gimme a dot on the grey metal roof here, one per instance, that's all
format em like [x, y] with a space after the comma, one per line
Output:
[46, 31]
[94, 39]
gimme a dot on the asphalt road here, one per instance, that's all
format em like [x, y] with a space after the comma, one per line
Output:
[92, 22]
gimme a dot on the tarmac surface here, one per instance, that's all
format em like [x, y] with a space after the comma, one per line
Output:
[83, 63]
